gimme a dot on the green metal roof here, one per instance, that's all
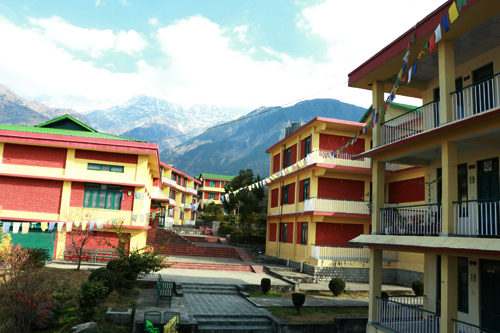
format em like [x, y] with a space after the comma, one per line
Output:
[405, 107]
[211, 175]
[56, 131]
[66, 117]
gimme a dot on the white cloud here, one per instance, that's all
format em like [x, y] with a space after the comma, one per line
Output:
[97, 3]
[93, 41]
[153, 21]
[241, 33]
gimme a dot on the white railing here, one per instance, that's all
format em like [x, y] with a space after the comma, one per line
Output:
[169, 219]
[421, 220]
[396, 167]
[419, 120]
[342, 159]
[171, 201]
[324, 252]
[463, 327]
[337, 206]
[192, 190]
[417, 301]
[477, 218]
[476, 98]
[169, 181]
[189, 222]
[405, 318]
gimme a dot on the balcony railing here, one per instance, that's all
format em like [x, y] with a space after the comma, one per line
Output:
[418, 220]
[406, 318]
[324, 252]
[415, 301]
[477, 217]
[463, 327]
[475, 98]
[343, 159]
[337, 206]
[169, 181]
[421, 119]
[192, 190]
[189, 222]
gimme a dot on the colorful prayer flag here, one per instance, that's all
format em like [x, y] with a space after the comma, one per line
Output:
[414, 67]
[426, 46]
[409, 75]
[460, 4]
[69, 226]
[432, 44]
[407, 56]
[453, 12]
[25, 228]
[437, 32]
[44, 226]
[445, 23]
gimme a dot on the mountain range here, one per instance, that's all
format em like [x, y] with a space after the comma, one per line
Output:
[225, 149]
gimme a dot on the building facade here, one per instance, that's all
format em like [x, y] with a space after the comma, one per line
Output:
[212, 187]
[453, 137]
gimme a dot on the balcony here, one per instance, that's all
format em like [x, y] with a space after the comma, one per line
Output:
[342, 159]
[192, 191]
[477, 217]
[463, 327]
[337, 206]
[169, 181]
[418, 220]
[324, 252]
[406, 318]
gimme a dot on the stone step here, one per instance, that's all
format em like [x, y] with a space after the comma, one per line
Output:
[239, 329]
[211, 292]
[240, 323]
[209, 287]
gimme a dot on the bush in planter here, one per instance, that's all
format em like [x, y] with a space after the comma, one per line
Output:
[265, 285]
[298, 300]
[385, 295]
[106, 276]
[418, 287]
[336, 286]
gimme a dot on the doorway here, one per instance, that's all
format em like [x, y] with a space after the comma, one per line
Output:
[488, 194]
[490, 294]
[484, 98]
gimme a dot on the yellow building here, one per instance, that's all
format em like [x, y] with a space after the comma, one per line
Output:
[454, 138]
[313, 212]
[212, 186]
[176, 196]
[64, 171]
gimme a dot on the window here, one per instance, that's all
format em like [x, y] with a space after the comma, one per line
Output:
[285, 195]
[212, 183]
[173, 176]
[211, 195]
[182, 216]
[102, 196]
[179, 180]
[104, 167]
[172, 194]
[305, 190]
[183, 199]
[283, 235]
[308, 145]
[303, 235]
[288, 156]
[463, 285]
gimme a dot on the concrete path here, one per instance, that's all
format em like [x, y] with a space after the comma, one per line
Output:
[310, 301]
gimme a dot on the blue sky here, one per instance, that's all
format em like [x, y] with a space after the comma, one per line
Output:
[232, 53]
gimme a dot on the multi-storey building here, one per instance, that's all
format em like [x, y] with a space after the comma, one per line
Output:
[65, 171]
[176, 195]
[315, 210]
[212, 187]
[454, 138]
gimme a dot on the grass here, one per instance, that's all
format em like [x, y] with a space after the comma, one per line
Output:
[316, 315]
[321, 294]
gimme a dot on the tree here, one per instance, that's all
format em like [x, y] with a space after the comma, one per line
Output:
[247, 203]
[212, 209]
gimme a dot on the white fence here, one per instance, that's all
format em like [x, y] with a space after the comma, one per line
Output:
[189, 222]
[405, 318]
[343, 159]
[192, 190]
[417, 301]
[323, 252]
[463, 327]
[337, 206]
[411, 123]
[477, 218]
[422, 220]
[476, 98]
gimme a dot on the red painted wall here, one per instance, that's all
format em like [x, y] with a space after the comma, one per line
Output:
[276, 163]
[274, 197]
[30, 195]
[336, 234]
[97, 241]
[128, 200]
[272, 232]
[341, 188]
[34, 155]
[289, 232]
[291, 193]
[205, 196]
[156, 182]
[217, 196]
[334, 142]
[105, 156]
[293, 154]
[407, 190]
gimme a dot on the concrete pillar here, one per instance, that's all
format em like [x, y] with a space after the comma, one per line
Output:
[449, 167]
[449, 292]
[378, 195]
[375, 283]
[430, 279]
[446, 60]
[377, 101]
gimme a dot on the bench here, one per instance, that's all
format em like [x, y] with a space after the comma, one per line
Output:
[88, 253]
[164, 290]
[105, 254]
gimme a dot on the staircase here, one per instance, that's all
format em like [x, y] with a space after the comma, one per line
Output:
[214, 289]
[228, 323]
[213, 267]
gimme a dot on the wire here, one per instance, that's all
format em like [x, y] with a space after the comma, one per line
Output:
[251, 116]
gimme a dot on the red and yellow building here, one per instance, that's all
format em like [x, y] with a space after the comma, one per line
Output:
[212, 187]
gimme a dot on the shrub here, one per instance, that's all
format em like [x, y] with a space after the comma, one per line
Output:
[418, 287]
[90, 295]
[337, 286]
[113, 265]
[265, 285]
[37, 256]
[385, 295]
[228, 229]
[106, 276]
[298, 300]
